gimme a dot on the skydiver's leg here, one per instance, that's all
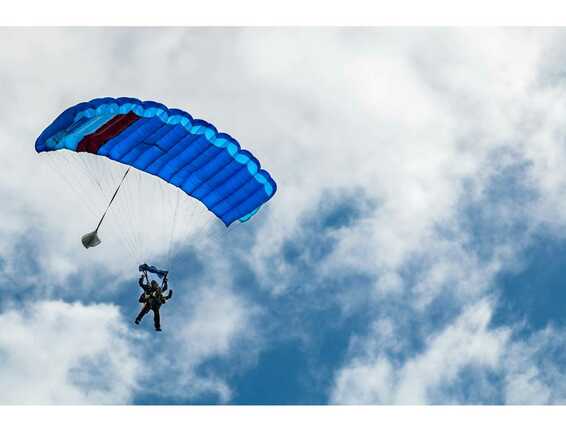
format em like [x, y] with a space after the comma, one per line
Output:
[156, 319]
[143, 312]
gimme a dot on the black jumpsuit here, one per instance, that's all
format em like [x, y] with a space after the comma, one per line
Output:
[152, 300]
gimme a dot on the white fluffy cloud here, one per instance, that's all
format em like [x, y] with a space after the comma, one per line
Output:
[410, 116]
[465, 343]
[534, 369]
[53, 352]
[215, 324]
[531, 370]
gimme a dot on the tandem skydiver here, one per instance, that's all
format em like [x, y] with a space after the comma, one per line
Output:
[153, 296]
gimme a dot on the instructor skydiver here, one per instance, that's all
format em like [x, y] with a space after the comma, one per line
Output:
[152, 298]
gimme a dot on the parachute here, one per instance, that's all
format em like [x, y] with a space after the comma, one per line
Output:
[154, 141]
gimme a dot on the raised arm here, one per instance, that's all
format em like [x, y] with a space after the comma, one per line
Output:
[145, 287]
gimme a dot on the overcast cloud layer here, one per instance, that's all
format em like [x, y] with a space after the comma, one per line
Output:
[419, 172]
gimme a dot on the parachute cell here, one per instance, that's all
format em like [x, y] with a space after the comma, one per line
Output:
[188, 153]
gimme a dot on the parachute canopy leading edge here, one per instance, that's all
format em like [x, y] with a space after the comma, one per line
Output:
[188, 153]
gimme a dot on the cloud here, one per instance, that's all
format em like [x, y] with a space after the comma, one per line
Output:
[534, 369]
[421, 136]
[467, 342]
[52, 352]
[468, 361]
[209, 326]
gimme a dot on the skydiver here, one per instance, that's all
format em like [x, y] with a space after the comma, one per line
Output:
[152, 298]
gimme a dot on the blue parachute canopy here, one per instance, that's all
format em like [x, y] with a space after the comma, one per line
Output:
[188, 153]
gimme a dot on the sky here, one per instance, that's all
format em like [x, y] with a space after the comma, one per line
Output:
[413, 253]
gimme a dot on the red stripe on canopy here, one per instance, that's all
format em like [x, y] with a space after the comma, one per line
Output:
[92, 142]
